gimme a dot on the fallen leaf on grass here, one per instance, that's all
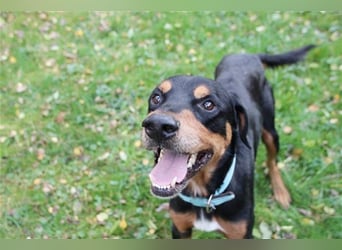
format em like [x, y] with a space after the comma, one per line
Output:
[253, 17]
[163, 207]
[333, 121]
[101, 217]
[69, 55]
[336, 98]
[77, 207]
[318, 208]
[78, 151]
[151, 231]
[307, 222]
[145, 162]
[328, 160]
[37, 181]
[53, 97]
[113, 124]
[91, 220]
[104, 156]
[286, 228]
[329, 210]
[60, 118]
[314, 65]
[289, 235]
[73, 219]
[12, 60]
[137, 144]
[45, 110]
[260, 28]
[123, 155]
[20, 114]
[133, 178]
[40, 154]
[152, 227]
[50, 62]
[297, 152]
[192, 51]
[123, 223]
[314, 192]
[63, 181]
[287, 130]
[54, 139]
[309, 143]
[313, 108]
[74, 192]
[334, 193]
[53, 210]
[20, 87]
[168, 26]
[308, 81]
[43, 16]
[47, 188]
[13, 134]
[104, 26]
[305, 212]
[79, 33]
[265, 230]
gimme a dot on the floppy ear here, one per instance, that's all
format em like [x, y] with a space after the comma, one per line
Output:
[241, 123]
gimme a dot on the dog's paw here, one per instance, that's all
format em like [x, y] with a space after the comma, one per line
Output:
[282, 196]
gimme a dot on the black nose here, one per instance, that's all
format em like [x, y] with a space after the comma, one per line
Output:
[160, 127]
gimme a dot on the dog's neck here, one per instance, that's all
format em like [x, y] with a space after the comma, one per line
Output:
[220, 196]
[223, 166]
[205, 182]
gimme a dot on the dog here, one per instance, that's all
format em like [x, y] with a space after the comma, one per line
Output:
[205, 134]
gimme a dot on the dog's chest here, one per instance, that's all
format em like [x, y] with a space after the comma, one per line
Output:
[204, 224]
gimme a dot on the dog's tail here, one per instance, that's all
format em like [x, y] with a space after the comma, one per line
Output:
[286, 58]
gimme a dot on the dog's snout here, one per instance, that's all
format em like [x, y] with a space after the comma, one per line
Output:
[160, 127]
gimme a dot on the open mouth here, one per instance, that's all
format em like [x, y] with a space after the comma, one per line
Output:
[173, 170]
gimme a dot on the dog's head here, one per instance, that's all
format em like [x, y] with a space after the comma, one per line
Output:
[190, 124]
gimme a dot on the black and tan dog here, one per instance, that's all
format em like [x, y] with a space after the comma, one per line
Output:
[205, 135]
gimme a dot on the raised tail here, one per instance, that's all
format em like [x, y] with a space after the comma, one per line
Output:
[290, 57]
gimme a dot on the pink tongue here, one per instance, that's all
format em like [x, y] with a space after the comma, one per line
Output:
[170, 165]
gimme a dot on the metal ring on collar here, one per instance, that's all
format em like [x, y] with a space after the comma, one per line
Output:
[210, 207]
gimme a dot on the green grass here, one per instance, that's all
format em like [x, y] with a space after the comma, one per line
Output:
[73, 92]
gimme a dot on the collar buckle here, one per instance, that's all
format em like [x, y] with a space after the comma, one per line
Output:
[210, 207]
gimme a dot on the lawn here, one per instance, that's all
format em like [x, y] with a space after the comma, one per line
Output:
[74, 89]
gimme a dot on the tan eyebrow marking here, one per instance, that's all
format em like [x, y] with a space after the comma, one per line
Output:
[165, 86]
[201, 91]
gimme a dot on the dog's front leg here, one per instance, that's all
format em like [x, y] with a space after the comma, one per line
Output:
[177, 234]
[182, 224]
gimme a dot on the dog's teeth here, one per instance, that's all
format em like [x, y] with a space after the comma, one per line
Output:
[161, 155]
[192, 160]
[162, 187]
[173, 182]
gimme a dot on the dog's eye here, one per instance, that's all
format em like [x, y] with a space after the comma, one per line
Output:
[156, 99]
[208, 105]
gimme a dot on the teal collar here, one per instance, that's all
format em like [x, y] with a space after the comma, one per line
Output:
[219, 197]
